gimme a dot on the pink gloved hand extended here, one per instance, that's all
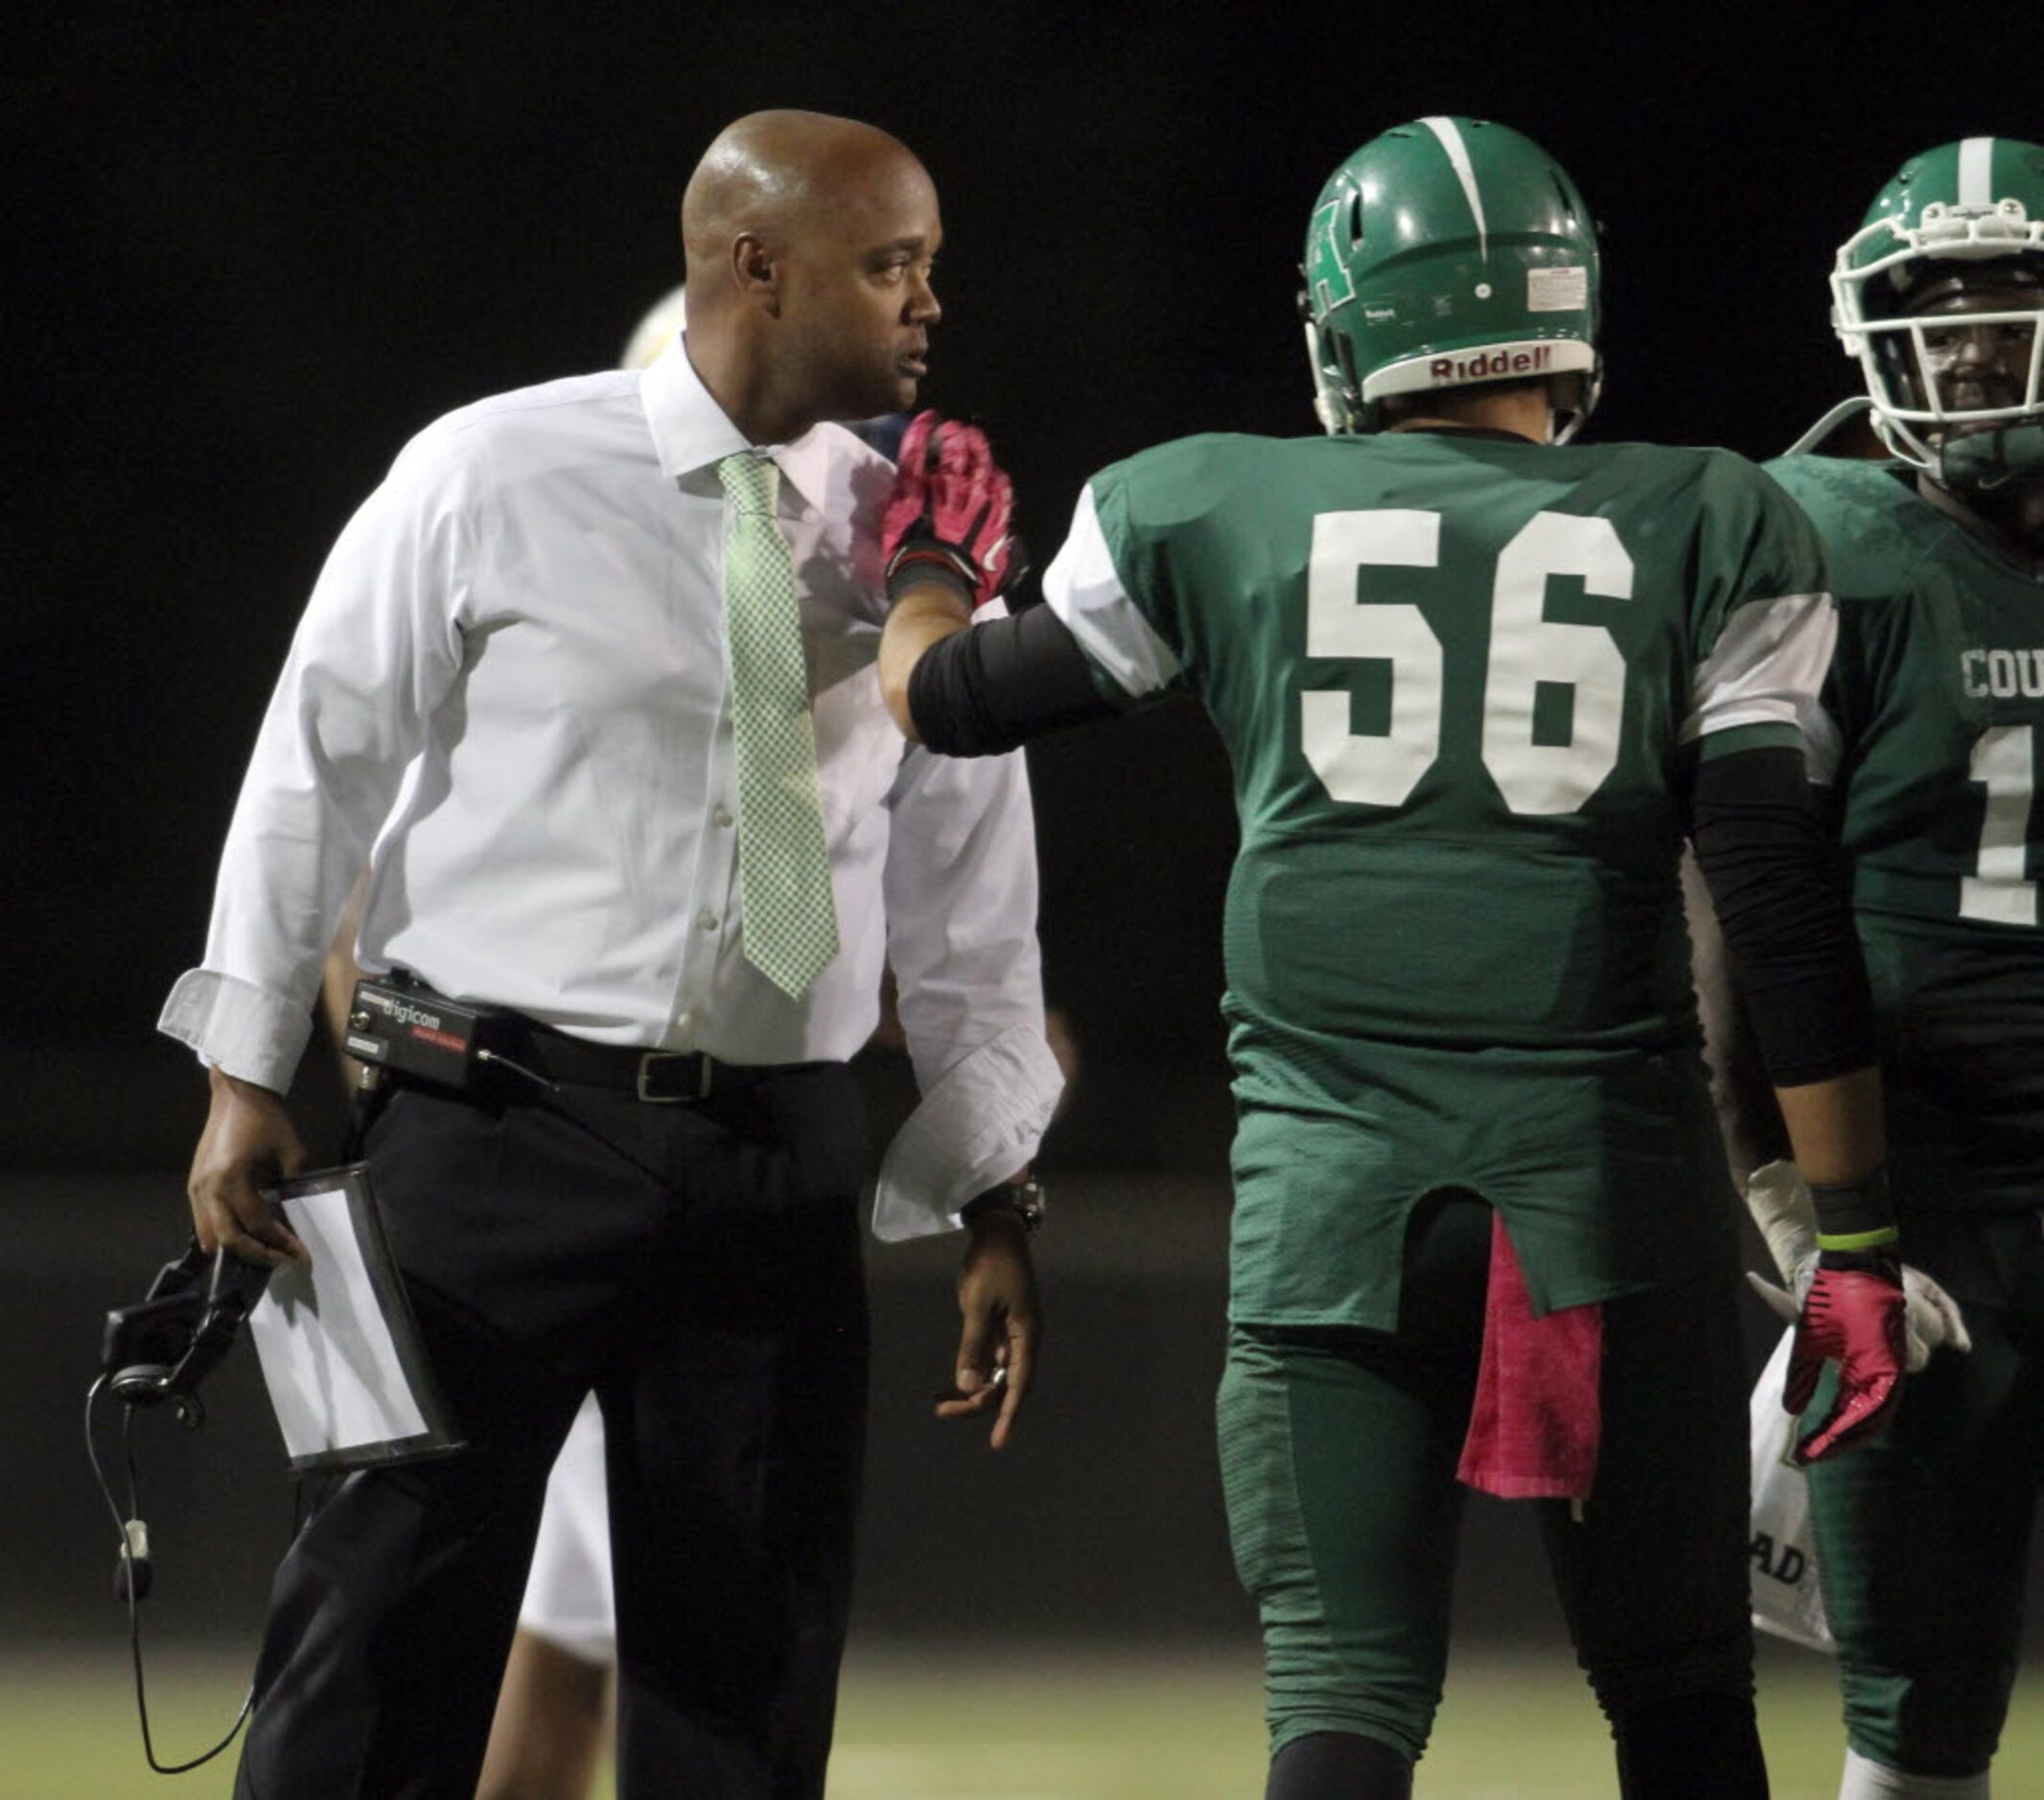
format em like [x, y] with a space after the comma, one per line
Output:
[950, 513]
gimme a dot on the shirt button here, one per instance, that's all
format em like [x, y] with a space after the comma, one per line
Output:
[721, 818]
[707, 920]
[681, 1021]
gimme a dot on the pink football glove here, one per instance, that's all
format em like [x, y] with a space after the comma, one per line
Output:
[1852, 1314]
[950, 512]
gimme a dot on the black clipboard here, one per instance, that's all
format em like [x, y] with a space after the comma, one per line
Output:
[347, 1374]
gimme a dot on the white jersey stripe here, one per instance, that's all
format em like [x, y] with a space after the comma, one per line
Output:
[1976, 172]
[1450, 135]
[1085, 589]
[1768, 667]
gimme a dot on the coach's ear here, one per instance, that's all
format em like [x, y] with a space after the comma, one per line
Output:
[755, 273]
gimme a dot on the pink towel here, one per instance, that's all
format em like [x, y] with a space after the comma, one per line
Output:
[1533, 1430]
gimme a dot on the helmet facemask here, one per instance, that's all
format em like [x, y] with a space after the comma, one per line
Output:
[1337, 394]
[1918, 360]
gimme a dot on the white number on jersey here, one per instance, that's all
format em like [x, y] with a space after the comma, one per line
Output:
[2003, 763]
[1526, 650]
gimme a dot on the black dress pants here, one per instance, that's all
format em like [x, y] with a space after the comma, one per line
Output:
[698, 1266]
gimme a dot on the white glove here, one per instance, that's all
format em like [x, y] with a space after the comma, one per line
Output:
[1780, 1201]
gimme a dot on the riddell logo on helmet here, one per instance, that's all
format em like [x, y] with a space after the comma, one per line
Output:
[1490, 365]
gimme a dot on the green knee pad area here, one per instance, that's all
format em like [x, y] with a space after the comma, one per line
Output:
[1342, 1510]
[1338, 1452]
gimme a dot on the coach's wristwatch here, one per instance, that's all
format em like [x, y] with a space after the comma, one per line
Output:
[1025, 1199]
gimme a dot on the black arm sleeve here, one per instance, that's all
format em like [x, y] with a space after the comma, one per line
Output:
[1776, 883]
[993, 686]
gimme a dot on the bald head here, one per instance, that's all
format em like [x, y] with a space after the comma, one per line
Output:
[778, 176]
[808, 243]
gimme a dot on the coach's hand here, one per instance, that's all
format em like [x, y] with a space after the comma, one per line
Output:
[248, 1142]
[948, 518]
[997, 1348]
[1852, 1315]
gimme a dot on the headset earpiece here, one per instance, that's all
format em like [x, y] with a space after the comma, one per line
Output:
[141, 1384]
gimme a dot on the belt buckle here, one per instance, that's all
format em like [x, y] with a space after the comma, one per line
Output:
[646, 1064]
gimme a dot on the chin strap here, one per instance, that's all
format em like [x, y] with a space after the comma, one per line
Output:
[1979, 462]
[1975, 462]
[1331, 405]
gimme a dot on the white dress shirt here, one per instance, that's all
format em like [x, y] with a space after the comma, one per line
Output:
[510, 694]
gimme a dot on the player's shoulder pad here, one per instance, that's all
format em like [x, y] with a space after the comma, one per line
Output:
[1191, 477]
[1873, 524]
[1726, 485]
[1844, 486]
[1215, 462]
[1720, 478]
[1723, 482]
[1723, 474]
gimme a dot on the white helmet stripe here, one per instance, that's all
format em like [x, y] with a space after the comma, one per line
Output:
[1976, 172]
[1450, 135]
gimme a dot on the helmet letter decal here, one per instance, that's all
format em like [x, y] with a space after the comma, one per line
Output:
[1326, 269]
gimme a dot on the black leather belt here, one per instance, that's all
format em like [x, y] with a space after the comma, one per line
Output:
[664, 1077]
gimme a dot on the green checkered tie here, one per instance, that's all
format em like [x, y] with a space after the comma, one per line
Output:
[791, 922]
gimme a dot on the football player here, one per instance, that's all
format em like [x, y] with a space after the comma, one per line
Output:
[1476, 682]
[1936, 557]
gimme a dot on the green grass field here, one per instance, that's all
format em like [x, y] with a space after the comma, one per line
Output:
[1013, 1722]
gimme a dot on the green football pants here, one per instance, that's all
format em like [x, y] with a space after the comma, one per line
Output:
[1339, 1450]
[1922, 1536]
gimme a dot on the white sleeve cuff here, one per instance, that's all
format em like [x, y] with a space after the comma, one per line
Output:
[977, 1125]
[1085, 589]
[242, 1030]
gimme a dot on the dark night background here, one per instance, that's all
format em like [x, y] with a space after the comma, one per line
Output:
[255, 249]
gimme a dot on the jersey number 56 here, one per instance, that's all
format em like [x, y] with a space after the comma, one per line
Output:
[1526, 650]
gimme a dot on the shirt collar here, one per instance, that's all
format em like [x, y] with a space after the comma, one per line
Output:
[691, 432]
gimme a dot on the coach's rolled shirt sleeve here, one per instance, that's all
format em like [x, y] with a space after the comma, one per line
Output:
[377, 650]
[960, 886]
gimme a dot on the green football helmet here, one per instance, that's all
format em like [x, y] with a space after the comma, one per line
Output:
[1976, 205]
[1446, 252]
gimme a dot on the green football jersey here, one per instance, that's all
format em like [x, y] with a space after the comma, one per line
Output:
[1458, 677]
[1937, 693]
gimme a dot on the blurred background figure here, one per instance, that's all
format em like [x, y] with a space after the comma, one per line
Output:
[662, 325]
